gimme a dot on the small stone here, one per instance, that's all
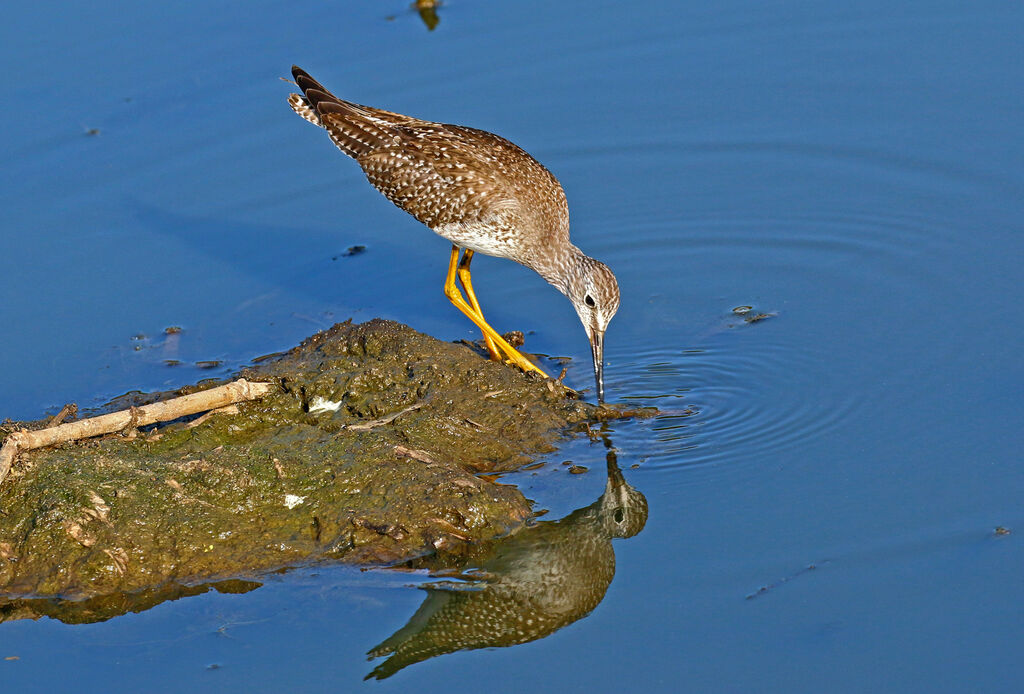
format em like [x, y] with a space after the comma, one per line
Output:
[515, 338]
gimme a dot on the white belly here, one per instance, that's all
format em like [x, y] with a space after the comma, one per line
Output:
[489, 240]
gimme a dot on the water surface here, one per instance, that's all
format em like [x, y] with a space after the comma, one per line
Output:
[854, 173]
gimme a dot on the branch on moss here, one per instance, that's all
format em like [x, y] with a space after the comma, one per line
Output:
[237, 391]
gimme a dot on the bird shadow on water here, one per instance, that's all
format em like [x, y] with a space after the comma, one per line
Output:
[523, 588]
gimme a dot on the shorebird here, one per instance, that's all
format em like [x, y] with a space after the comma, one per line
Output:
[479, 191]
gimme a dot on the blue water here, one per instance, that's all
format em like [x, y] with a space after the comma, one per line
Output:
[854, 172]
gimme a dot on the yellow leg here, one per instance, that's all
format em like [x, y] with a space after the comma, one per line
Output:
[467, 284]
[455, 296]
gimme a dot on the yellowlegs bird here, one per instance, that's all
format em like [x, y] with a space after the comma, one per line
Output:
[479, 191]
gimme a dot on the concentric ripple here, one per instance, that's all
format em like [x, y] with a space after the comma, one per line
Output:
[721, 404]
[828, 288]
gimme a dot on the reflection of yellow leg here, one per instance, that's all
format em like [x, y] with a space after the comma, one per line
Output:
[455, 296]
[467, 284]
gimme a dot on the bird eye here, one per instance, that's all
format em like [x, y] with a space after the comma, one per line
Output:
[619, 515]
[589, 301]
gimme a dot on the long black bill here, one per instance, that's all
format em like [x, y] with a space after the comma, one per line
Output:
[597, 349]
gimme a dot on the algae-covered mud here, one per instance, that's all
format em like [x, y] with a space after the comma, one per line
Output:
[368, 451]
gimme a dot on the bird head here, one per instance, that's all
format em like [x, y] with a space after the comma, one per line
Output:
[622, 509]
[594, 293]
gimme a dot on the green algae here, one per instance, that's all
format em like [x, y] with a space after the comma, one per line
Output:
[391, 474]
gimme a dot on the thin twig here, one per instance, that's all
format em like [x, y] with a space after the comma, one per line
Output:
[421, 456]
[165, 411]
[366, 426]
[69, 410]
[229, 409]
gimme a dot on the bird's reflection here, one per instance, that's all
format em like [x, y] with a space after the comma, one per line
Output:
[427, 10]
[527, 587]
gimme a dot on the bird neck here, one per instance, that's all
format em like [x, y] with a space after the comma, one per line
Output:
[560, 266]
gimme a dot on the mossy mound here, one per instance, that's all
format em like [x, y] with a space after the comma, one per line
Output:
[283, 482]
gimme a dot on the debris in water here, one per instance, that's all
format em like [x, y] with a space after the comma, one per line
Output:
[350, 251]
[764, 589]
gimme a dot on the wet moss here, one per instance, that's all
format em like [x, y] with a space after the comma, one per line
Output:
[283, 483]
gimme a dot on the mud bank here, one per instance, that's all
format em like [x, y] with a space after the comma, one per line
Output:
[368, 451]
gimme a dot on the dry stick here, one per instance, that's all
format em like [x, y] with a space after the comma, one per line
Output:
[69, 410]
[229, 409]
[421, 456]
[237, 391]
[366, 426]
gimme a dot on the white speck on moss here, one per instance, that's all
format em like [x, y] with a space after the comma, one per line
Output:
[291, 500]
[319, 404]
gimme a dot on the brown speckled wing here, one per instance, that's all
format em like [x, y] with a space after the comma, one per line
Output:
[439, 176]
